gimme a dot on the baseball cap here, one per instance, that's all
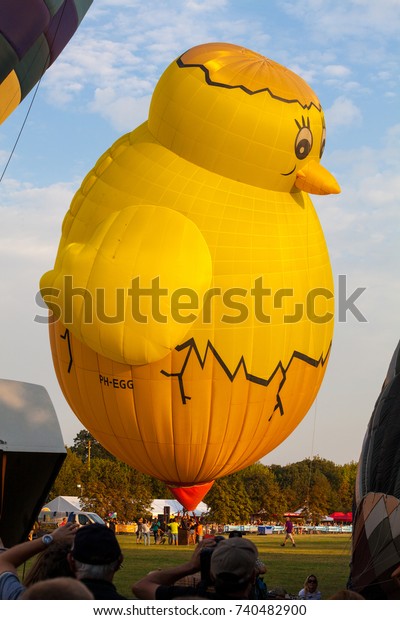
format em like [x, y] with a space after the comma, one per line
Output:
[95, 544]
[233, 561]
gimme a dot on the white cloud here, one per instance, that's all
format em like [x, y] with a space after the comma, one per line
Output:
[337, 71]
[118, 54]
[352, 86]
[31, 220]
[339, 19]
[361, 223]
[342, 113]
[307, 73]
[124, 113]
[95, 64]
[206, 5]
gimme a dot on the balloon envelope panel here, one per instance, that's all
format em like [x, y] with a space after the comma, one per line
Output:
[184, 420]
[376, 546]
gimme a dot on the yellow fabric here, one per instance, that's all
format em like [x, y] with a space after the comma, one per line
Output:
[10, 95]
[203, 198]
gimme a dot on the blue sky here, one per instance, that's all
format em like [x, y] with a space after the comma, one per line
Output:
[100, 88]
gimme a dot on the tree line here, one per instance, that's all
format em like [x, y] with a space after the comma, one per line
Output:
[260, 492]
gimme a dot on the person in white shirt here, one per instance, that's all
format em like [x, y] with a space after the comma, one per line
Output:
[310, 590]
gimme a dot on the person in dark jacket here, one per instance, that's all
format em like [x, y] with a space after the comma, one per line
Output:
[95, 558]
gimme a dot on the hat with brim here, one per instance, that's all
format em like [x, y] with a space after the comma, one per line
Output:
[96, 544]
[233, 562]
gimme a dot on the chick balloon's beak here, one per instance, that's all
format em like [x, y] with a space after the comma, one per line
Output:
[315, 179]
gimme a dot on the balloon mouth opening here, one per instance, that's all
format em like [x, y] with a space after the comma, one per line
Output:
[190, 496]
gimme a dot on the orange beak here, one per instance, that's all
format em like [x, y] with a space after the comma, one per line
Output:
[315, 179]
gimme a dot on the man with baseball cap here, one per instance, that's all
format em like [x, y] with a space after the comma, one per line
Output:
[233, 568]
[233, 573]
[95, 558]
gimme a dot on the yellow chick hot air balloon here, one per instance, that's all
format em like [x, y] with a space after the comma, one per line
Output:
[192, 298]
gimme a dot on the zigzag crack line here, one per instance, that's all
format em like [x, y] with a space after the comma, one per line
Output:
[66, 337]
[192, 347]
[211, 82]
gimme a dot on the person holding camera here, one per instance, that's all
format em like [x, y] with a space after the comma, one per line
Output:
[228, 571]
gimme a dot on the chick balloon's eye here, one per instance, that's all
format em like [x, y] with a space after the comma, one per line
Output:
[323, 140]
[303, 143]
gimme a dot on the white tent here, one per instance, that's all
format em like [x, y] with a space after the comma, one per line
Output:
[302, 513]
[296, 514]
[64, 503]
[158, 505]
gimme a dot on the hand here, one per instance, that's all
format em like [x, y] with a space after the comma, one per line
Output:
[146, 587]
[396, 576]
[204, 544]
[66, 532]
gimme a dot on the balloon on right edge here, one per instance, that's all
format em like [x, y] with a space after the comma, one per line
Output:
[376, 518]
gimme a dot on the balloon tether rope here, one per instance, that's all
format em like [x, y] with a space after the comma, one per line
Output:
[20, 131]
[34, 96]
[311, 456]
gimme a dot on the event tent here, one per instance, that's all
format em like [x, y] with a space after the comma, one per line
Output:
[70, 503]
[302, 513]
[297, 514]
[175, 507]
[346, 517]
[64, 503]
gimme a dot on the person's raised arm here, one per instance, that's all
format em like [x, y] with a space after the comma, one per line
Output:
[12, 558]
[146, 587]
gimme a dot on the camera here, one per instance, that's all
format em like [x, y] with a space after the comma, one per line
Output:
[205, 560]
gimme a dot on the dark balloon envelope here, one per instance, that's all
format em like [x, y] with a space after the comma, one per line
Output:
[379, 464]
[376, 547]
[376, 524]
[32, 35]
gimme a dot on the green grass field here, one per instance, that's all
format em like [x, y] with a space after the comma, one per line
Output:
[327, 556]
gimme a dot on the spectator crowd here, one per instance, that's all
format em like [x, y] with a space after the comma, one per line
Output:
[81, 562]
